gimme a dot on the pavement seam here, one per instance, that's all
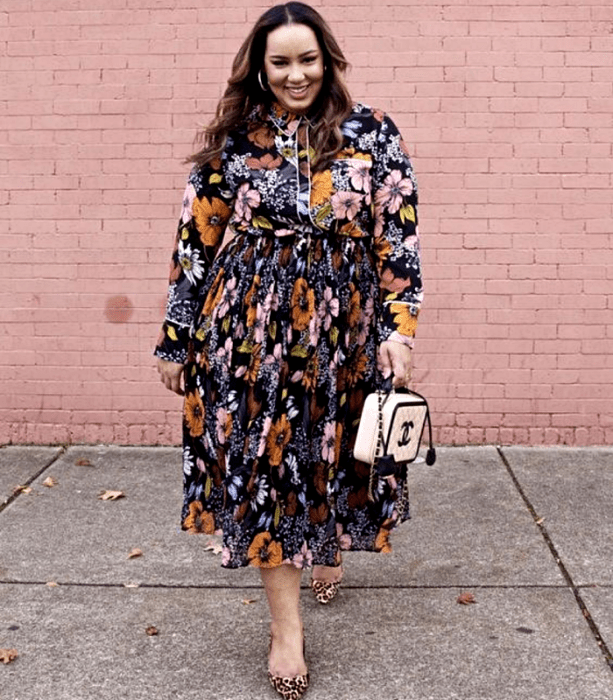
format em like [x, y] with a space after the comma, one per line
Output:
[19, 490]
[575, 589]
[408, 587]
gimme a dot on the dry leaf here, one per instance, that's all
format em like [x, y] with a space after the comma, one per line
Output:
[250, 601]
[50, 482]
[131, 585]
[52, 584]
[8, 655]
[111, 495]
[466, 599]
[152, 631]
[83, 463]
[136, 552]
[540, 521]
[22, 489]
[215, 548]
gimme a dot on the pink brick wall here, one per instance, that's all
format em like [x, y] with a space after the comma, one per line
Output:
[507, 107]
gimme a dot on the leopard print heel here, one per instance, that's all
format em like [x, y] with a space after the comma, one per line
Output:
[290, 688]
[325, 591]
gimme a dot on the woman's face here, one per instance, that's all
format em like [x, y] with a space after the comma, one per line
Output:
[294, 66]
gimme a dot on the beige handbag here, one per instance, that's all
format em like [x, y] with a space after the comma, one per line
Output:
[390, 431]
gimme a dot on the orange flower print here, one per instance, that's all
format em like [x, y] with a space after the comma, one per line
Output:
[355, 307]
[262, 137]
[303, 304]
[309, 377]
[321, 188]
[215, 294]
[265, 552]
[199, 520]
[382, 248]
[277, 440]
[405, 321]
[211, 219]
[356, 368]
[194, 414]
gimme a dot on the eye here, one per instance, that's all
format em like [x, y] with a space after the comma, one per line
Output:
[278, 63]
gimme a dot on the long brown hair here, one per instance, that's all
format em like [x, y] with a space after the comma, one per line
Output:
[244, 91]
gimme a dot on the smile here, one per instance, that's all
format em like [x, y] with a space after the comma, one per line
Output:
[297, 91]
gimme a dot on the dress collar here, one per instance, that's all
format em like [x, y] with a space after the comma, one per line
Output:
[286, 121]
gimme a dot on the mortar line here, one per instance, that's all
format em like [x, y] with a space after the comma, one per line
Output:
[575, 589]
[19, 491]
[348, 587]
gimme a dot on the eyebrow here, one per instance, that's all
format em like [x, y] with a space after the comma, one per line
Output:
[302, 55]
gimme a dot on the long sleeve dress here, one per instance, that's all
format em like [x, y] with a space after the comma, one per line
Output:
[283, 283]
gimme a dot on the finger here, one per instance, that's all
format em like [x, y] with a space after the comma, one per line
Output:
[383, 362]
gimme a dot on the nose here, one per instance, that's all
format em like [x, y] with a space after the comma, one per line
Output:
[296, 74]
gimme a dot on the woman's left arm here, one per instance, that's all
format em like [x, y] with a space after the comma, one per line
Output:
[396, 240]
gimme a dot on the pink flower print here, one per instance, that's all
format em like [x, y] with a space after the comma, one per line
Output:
[188, 201]
[222, 420]
[394, 189]
[225, 556]
[328, 442]
[225, 353]
[359, 174]
[304, 558]
[314, 327]
[368, 311]
[259, 324]
[275, 358]
[200, 464]
[346, 205]
[328, 308]
[227, 298]
[265, 430]
[246, 200]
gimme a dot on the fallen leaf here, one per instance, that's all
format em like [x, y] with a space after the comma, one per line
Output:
[52, 584]
[215, 548]
[22, 489]
[50, 482]
[8, 655]
[111, 495]
[540, 521]
[466, 599]
[131, 585]
[250, 601]
[136, 552]
[152, 631]
[83, 463]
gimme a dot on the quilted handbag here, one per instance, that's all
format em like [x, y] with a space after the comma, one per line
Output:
[391, 429]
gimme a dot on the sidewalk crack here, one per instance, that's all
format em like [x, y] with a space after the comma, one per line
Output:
[602, 645]
[19, 491]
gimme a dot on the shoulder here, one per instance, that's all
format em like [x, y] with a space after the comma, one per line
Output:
[365, 119]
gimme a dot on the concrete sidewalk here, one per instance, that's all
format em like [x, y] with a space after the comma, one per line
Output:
[529, 532]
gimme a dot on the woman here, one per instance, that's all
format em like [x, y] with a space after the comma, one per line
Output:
[296, 265]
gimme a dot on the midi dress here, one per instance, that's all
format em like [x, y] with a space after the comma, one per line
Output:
[284, 280]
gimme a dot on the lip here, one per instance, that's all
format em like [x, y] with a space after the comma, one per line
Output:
[298, 91]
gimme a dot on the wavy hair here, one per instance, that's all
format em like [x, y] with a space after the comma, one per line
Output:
[244, 92]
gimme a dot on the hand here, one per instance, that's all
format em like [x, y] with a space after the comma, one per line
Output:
[395, 358]
[170, 375]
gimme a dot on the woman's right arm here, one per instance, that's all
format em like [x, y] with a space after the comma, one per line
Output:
[207, 205]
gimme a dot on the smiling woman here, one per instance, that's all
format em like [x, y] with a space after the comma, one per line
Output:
[294, 67]
[296, 269]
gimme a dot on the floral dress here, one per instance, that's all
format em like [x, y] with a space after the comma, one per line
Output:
[283, 283]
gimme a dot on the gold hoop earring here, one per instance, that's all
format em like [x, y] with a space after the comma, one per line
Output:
[264, 89]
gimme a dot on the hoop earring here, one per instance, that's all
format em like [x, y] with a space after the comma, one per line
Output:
[264, 89]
